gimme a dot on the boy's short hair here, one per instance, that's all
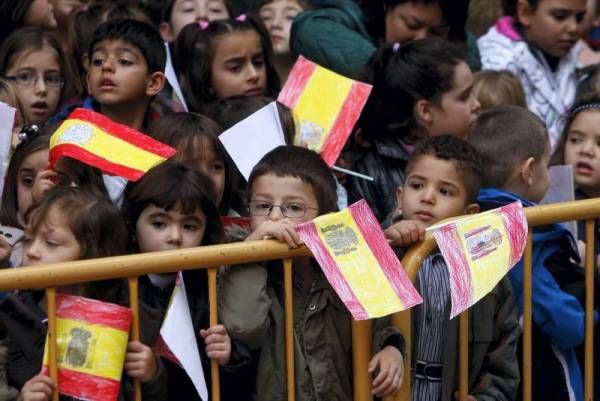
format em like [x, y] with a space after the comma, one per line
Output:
[505, 137]
[139, 34]
[308, 166]
[458, 151]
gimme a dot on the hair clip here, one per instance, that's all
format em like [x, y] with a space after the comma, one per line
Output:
[28, 132]
[203, 24]
[396, 47]
[241, 18]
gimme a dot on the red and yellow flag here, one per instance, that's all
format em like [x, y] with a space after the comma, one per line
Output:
[91, 339]
[326, 106]
[479, 250]
[116, 149]
[359, 263]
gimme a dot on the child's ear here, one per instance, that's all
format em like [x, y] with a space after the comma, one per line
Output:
[155, 83]
[472, 208]
[524, 12]
[399, 197]
[166, 32]
[526, 173]
[423, 112]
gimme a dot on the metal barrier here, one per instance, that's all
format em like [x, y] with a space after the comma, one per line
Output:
[133, 266]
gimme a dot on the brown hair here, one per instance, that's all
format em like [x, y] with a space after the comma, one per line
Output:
[498, 88]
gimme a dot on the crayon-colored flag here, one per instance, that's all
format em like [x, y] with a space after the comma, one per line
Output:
[479, 250]
[326, 106]
[359, 263]
[116, 149]
[91, 339]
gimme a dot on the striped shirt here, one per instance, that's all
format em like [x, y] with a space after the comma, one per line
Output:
[435, 290]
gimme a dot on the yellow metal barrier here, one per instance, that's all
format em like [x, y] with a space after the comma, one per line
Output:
[133, 266]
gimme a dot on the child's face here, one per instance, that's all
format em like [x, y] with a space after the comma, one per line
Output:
[238, 66]
[207, 161]
[38, 83]
[160, 230]
[53, 242]
[32, 164]
[289, 191]
[457, 108]
[554, 25]
[277, 17]
[414, 20]
[40, 13]
[188, 11]
[434, 190]
[118, 74]
[582, 150]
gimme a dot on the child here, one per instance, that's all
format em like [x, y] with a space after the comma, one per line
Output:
[421, 89]
[538, 43]
[173, 207]
[223, 59]
[176, 14]
[127, 60]
[15, 14]
[35, 62]
[443, 178]
[277, 16]
[9, 97]
[71, 224]
[498, 88]
[196, 139]
[291, 185]
[515, 151]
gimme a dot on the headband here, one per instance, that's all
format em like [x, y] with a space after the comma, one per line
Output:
[585, 106]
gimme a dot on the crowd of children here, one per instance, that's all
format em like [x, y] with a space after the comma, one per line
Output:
[438, 138]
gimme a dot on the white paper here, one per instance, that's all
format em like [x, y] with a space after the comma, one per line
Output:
[7, 121]
[177, 331]
[561, 189]
[172, 78]
[252, 138]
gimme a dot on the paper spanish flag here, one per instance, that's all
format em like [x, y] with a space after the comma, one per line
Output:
[116, 149]
[359, 263]
[326, 106]
[91, 339]
[479, 250]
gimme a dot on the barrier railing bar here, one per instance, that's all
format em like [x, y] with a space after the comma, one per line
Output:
[527, 314]
[590, 269]
[289, 329]
[463, 359]
[214, 320]
[361, 337]
[52, 351]
[134, 305]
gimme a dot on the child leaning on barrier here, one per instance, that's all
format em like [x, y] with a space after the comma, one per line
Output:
[443, 177]
[288, 186]
[515, 149]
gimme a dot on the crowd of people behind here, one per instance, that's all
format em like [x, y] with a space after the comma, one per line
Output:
[454, 125]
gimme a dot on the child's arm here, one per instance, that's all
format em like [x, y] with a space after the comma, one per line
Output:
[405, 233]
[388, 367]
[218, 343]
[38, 388]
[140, 362]
[283, 230]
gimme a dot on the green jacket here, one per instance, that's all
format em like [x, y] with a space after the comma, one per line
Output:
[251, 307]
[335, 36]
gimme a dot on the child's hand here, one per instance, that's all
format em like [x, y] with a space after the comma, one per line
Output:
[468, 397]
[38, 388]
[218, 343]
[140, 362]
[5, 251]
[44, 181]
[390, 366]
[405, 232]
[283, 230]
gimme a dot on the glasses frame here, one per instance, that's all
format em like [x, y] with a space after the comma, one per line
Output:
[15, 79]
[283, 208]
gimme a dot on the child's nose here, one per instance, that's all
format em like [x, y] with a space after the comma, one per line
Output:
[40, 85]
[175, 235]
[252, 72]
[587, 148]
[32, 253]
[276, 214]
[428, 195]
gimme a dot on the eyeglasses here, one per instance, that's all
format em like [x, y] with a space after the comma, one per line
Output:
[28, 79]
[293, 210]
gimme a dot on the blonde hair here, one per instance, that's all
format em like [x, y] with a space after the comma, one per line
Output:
[498, 88]
[8, 94]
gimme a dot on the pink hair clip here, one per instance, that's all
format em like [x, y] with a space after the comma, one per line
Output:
[203, 24]
[241, 18]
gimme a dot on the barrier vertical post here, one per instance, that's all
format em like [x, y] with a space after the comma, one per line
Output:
[214, 320]
[289, 329]
[361, 341]
[134, 305]
[463, 358]
[527, 313]
[403, 321]
[590, 269]
[52, 351]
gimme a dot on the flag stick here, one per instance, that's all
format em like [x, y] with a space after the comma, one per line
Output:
[354, 173]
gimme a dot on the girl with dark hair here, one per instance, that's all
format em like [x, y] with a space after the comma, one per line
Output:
[15, 14]
[420, 90]
[343, 37]
[224, 58]
[176, 14]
